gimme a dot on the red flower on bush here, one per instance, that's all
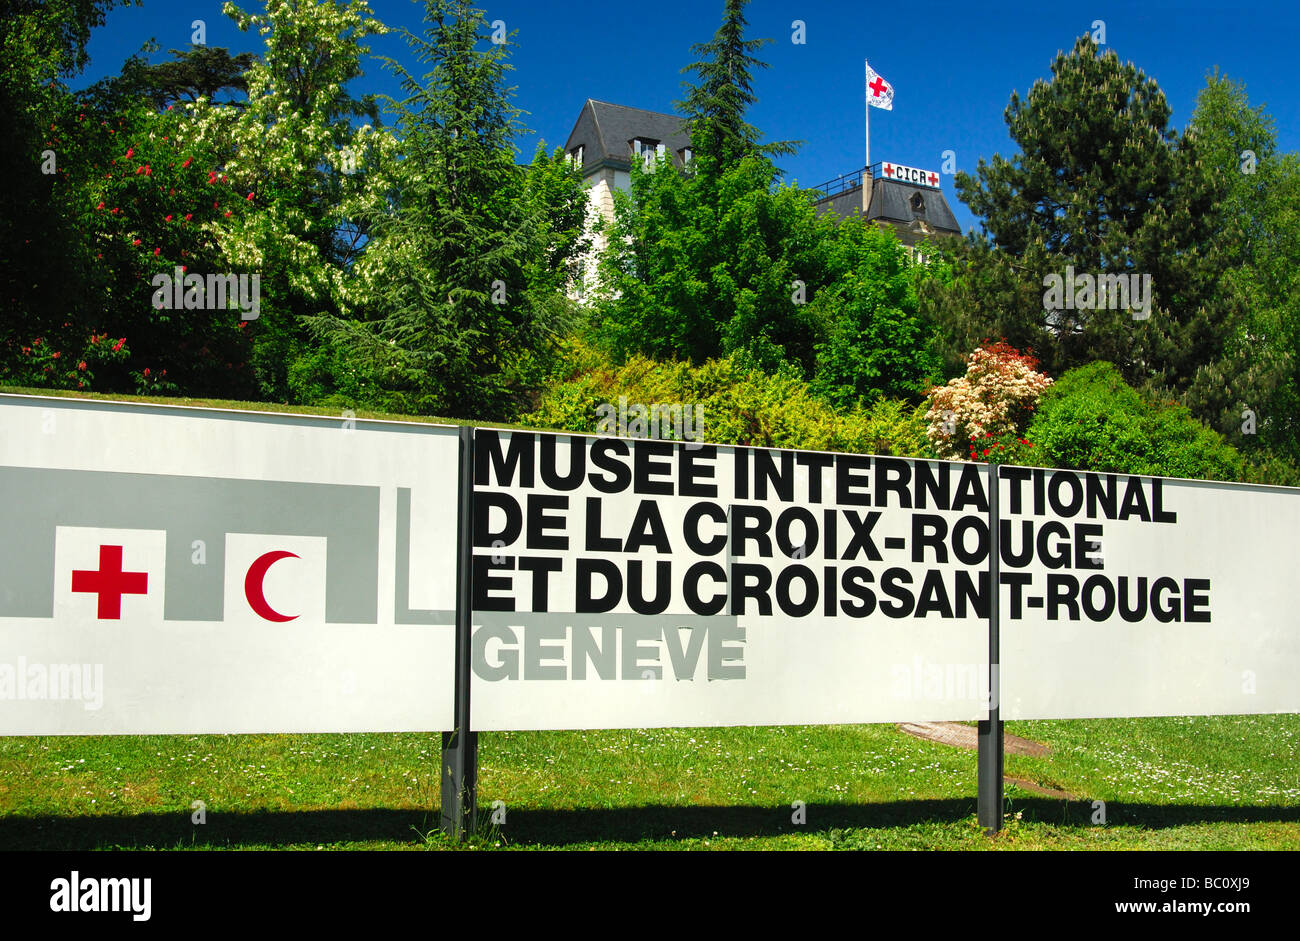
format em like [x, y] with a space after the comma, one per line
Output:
[82, 365]
[146, 372]
[57, 354]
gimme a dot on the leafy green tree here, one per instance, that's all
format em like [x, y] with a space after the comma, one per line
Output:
[688, 277]
[44, 266]
[310, 174]
[760, 272]
[973, 292]
[162, 203]
[876, 344]
[720, 259]
[191, 74]
[1253, 393]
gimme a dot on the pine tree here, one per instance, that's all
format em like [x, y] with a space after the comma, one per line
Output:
[1104, 185]
[715, 105]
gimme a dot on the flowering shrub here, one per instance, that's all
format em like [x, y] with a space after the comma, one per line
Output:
[987, 409]
[1007, 448]
[40, 364]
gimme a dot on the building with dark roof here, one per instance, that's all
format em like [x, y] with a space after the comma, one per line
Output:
[607, 137]
[605, 140]
[905, 199]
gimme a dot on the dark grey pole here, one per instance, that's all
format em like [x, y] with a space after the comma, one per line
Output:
[460, 746]
[989, 760]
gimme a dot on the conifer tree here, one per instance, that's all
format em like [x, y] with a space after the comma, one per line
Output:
[715, 105]
[1102, 184]
[450, 266]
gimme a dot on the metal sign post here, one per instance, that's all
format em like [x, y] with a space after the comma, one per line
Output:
[989, 760]
[460, 746]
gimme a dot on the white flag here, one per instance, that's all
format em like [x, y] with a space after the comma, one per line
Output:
[880, 94]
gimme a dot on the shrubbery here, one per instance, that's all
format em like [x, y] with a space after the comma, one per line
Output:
[741, 404]
[1092, 420]
[993, 400]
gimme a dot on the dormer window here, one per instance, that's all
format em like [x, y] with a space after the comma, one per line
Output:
[685, 155]
[575, 156]
[918, 204]
[647, 149]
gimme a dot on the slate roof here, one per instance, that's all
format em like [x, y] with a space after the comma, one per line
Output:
[891, 200]
[603, 130]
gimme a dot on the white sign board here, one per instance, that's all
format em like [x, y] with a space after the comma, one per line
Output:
[896, 171]
[175, 570]
[635, 583]
[1140, 596]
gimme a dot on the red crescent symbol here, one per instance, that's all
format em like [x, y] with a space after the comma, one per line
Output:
[253, 588]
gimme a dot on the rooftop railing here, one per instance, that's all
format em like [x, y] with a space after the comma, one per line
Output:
[846, 182]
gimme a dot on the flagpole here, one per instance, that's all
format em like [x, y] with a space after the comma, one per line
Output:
[866, 102]
[866, 172]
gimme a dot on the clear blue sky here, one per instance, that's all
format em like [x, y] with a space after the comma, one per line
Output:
[953, 66]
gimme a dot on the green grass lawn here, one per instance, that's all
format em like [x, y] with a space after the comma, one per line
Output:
[1178, 783]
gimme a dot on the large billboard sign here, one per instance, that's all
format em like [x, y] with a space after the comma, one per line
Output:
[1143, 596]
[171, 570]
[624, 583]
[176, 570]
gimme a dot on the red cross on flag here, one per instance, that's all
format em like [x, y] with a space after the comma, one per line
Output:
[880, 94]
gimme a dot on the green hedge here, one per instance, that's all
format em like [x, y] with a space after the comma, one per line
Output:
[1090, 419]
[741, 403]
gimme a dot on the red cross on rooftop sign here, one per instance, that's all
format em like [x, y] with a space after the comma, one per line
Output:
[896, 171]
[110, 583]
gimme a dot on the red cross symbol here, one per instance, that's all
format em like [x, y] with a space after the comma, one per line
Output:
[877, 87]
[889, 169]
[110, 583]
[934, 180]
